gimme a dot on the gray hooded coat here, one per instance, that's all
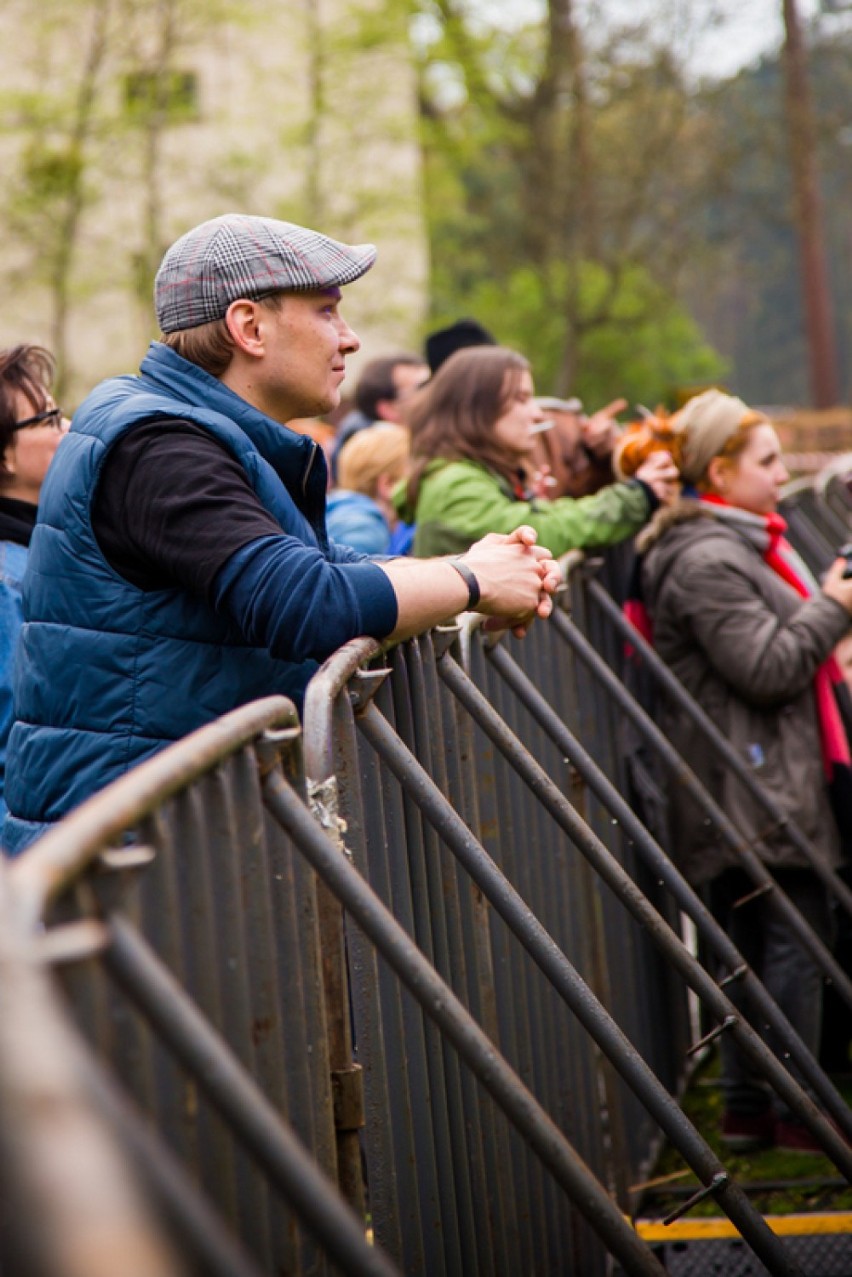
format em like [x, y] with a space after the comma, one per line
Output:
[747, 646]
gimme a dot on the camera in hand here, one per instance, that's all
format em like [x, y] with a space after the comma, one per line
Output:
[845, 552]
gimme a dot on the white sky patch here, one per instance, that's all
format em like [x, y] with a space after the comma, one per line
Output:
[716, 37]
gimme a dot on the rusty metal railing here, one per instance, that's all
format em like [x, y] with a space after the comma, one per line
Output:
[437, 966]
[187, 931]
[406, 783]
[208, 925]
[71, 1202]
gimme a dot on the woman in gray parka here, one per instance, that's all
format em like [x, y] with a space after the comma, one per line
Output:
[739, 619]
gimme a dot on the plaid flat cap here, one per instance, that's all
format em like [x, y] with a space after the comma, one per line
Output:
[237, 256]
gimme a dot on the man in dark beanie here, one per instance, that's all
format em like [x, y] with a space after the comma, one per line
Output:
[444, 342]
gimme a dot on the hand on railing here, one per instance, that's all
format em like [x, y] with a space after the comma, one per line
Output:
[517, 579]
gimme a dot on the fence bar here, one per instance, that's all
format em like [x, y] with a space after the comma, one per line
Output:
[66, 850]
[496, 1200]
[448, 956]
[605, 864]
[232, 1090]
[391, 1031]
[442, 1006]
[404, 1181]
[71, 1205]
[574, 990]
[189, 1213]
[687, 899]
[683, 775]
[705, 725]
[525, 1020]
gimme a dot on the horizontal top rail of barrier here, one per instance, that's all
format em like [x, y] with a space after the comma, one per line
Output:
[100, 823]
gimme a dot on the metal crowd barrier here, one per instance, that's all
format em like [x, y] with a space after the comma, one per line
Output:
[204, 998]
[474, 1023]
[818, 512]
[223, 911]
[832, 488]
[411, 839]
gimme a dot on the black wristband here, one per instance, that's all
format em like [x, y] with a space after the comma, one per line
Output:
[473, 591]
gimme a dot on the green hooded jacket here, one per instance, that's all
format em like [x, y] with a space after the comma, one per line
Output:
[460, 501]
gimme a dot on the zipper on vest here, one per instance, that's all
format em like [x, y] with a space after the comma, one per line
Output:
[309, 467]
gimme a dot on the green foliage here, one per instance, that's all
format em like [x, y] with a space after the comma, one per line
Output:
[162, 95]
[51, 173]
[559, 181]
[51, 177]
[643, 347]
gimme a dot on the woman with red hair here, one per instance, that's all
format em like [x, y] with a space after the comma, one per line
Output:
[736, 614]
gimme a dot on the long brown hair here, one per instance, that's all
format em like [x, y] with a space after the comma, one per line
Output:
[453, 417]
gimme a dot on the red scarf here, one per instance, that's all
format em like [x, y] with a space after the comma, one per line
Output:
[782, 558]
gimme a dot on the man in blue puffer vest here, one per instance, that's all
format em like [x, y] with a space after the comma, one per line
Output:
[180, 564]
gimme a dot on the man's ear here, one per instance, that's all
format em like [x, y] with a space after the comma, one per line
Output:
[243, 320]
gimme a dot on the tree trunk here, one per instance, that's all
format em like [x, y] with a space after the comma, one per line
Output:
[807, 204]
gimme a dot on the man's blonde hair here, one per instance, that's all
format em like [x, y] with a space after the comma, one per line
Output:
[376, 451]
[211, 346]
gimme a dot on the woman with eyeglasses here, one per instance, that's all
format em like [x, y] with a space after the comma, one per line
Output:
[31, 427]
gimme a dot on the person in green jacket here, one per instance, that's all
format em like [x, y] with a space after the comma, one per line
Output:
[472, 428]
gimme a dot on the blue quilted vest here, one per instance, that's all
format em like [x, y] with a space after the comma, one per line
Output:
[109, 674]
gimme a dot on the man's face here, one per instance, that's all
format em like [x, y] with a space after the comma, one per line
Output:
[304, 362]
[407, 378]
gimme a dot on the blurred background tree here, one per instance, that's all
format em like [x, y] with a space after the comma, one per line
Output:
[599, 189]
[627, 223]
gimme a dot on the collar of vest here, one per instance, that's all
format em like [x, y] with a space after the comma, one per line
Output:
[164, 371]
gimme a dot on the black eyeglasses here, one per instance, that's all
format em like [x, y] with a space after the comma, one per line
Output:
[52, 418]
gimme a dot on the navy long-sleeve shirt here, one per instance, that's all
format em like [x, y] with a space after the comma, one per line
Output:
[175, 508]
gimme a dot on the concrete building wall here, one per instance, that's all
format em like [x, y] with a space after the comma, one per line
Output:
[301, 109]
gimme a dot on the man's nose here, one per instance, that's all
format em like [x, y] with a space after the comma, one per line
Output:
[348, 339]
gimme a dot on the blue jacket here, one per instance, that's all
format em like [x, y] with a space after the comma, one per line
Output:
[13, 560]
[108, 673]
[356, 520]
